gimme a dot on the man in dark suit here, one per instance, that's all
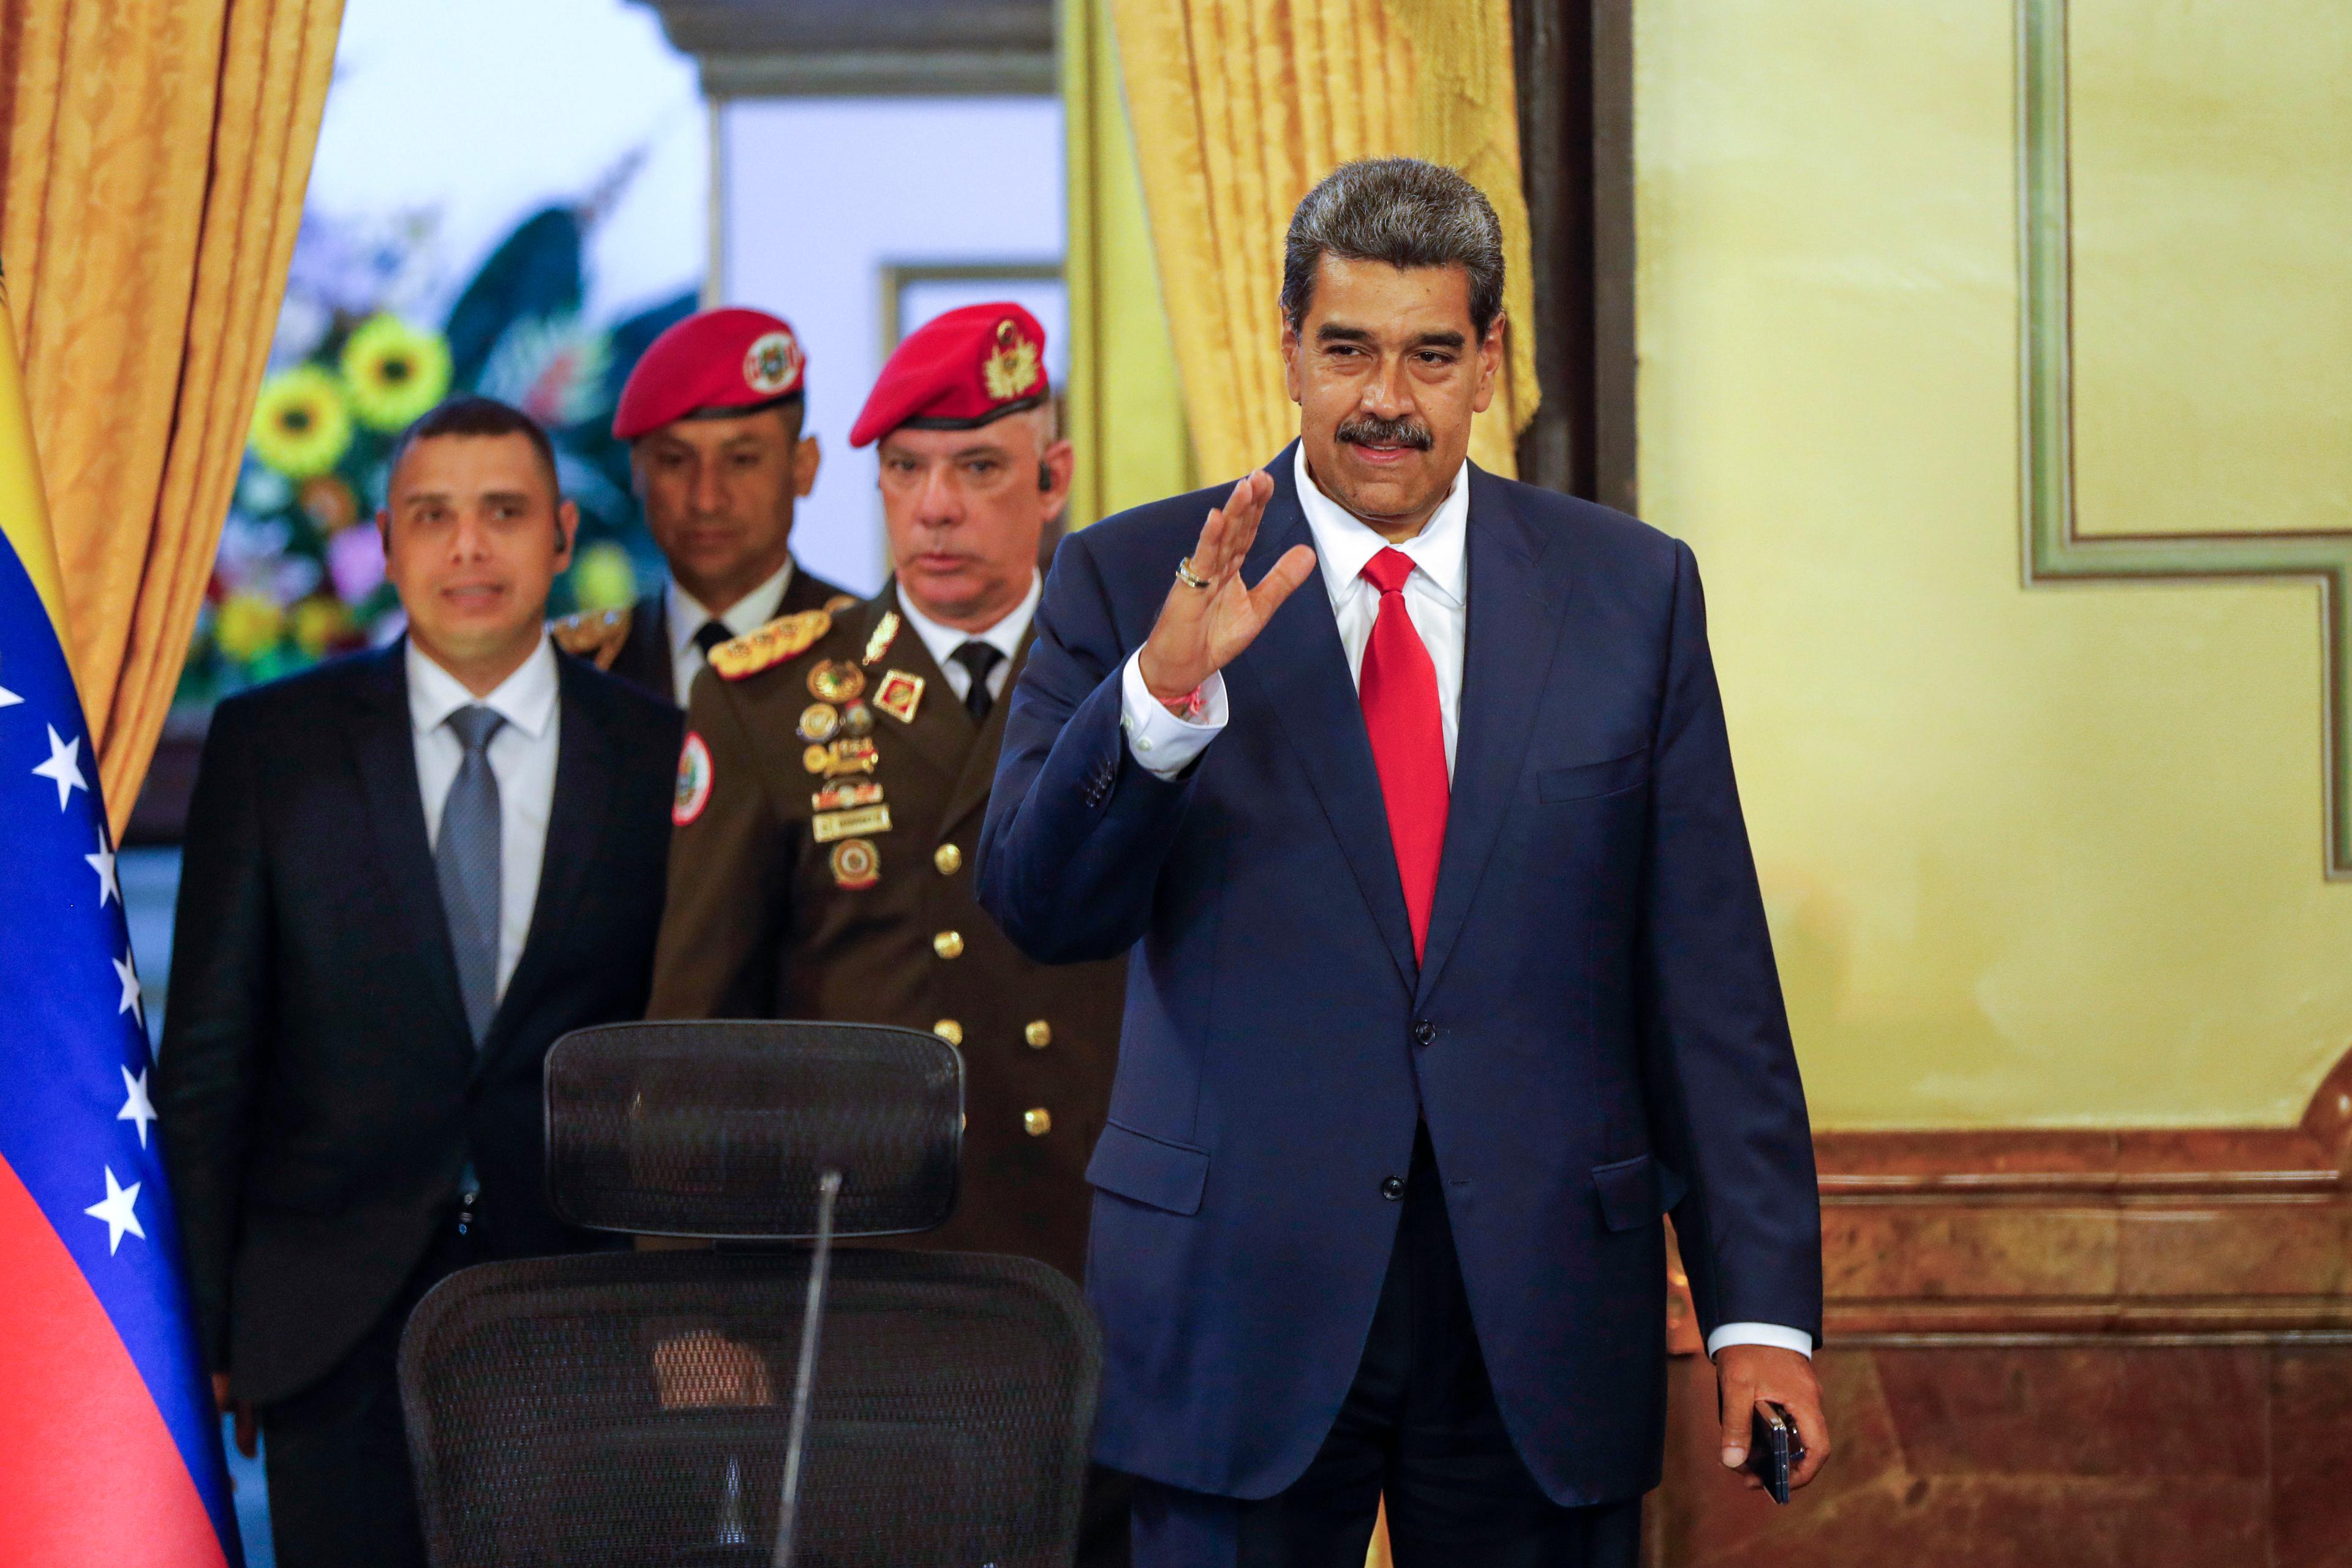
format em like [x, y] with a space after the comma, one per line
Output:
[1450, 969]
[406, 873]
[712, 416]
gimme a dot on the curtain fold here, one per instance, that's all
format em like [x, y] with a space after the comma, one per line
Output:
[1239, 107]
[151, 185]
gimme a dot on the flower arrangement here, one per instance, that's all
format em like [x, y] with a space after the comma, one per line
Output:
[299, 574]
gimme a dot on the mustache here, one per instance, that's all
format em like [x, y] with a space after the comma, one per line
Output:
[1372, 430]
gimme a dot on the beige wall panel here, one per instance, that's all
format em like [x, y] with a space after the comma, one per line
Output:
[2046, 856]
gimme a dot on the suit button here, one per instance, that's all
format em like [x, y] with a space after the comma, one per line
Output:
[1037, 1121]
[1392, 1188]
[948, 1030]
[1039, 1034]
[948, 943]
[948, 858]
[1423, 1032]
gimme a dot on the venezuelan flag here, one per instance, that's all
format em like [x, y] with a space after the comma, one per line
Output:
[109, 1449]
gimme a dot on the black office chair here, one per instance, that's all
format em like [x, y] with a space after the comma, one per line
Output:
[636, 1409]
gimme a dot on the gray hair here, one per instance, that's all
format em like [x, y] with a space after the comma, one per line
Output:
[1402, 211]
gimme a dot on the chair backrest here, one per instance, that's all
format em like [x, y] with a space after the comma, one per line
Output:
[617, 1409]
[624, 1410]
[720, 1129]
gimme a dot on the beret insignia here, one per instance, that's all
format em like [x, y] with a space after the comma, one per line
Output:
[1008, 371]
[595, 635]
[766, 646]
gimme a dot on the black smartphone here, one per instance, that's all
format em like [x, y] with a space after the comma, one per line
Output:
[1773, 1450]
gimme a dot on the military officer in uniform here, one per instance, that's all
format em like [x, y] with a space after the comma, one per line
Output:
[836, 769]
[712, 416]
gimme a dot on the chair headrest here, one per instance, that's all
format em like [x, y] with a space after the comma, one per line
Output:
[720, 1129]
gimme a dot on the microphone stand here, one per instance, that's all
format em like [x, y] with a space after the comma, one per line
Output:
[828, 1188]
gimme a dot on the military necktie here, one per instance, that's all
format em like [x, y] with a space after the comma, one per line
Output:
[978, 659]
[466, 864]
[1397, 687]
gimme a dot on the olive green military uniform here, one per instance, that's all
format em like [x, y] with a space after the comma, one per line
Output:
[822, 867]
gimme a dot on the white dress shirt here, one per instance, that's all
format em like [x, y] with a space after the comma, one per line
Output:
[752, 611]
[1436, 598]
[522, 758]
[1004, 637]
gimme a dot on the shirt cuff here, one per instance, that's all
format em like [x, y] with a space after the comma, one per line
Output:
[1760, 1334]
[1162, 744]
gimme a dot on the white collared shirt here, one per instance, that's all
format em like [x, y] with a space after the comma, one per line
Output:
[752, 611]
[1436, 598]
[522, 758]
[1004, 637]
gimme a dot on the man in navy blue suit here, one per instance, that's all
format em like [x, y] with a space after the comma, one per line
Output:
[1450, 972]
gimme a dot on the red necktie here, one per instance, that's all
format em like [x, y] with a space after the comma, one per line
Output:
[1398, 688]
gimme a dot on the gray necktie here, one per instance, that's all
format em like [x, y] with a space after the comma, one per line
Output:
[466, 863]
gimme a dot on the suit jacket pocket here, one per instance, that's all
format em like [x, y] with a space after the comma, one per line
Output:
[1628, 1192]
[1589, 779]
[1150, 1171]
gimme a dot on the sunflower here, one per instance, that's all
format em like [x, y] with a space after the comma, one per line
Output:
[394, 372]
[318, 623]
[603, 578]
[299, 425]
[248, 625]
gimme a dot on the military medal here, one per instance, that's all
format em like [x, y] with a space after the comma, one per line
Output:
[842, 796]
[856, 719]
[836, 680]
[829, 826]
[855, 864]
[820, 721]
[899, 695]
[816, 759]
[886, 632]
[841, 757]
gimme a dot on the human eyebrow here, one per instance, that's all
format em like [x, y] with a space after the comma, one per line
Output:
[1440, 340]
[1333, 332]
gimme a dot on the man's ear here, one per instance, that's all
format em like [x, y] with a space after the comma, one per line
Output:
[1490, 363]
[1056, 469]
[805, 457]
[567, 531]
[1290, 356]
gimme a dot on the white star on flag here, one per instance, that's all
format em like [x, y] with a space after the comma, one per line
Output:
[8, 699]
[116, 1210]
[124, 971]
[64, 766]
[103, 864]
[137, 1106]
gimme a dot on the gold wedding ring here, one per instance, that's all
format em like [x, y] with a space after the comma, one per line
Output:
[1186, 575]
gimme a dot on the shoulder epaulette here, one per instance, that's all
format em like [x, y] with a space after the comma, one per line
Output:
[763, 648]
[595, 635]
[839, 603]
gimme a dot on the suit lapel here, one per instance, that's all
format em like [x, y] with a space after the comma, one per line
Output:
[1300, 673]
[942, 733]
[1517, 606]
[979, 774]
[586, 769]
[384, 748]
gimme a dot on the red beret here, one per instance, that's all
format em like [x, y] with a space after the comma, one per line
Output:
[715, 364]
[958, 371]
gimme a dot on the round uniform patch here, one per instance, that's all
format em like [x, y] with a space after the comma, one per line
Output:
[770, 364]
[693, 791]
[856, 863]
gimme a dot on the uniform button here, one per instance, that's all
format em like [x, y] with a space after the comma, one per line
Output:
[1039, 1034]
[1392, 1188]
[948, 858]
[1037, 1121]
[948, 943]
[1424, 1031]
[948, 1030]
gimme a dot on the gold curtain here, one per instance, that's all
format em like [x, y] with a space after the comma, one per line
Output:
[1239, 107]
[151, 183]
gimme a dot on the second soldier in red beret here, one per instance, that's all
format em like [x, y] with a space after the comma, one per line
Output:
[712, 417]
[830, 795]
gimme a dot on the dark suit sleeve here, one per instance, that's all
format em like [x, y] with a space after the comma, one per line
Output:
[1076, 831]
[1724, 1074]
[724, 921]
[217, 1026]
